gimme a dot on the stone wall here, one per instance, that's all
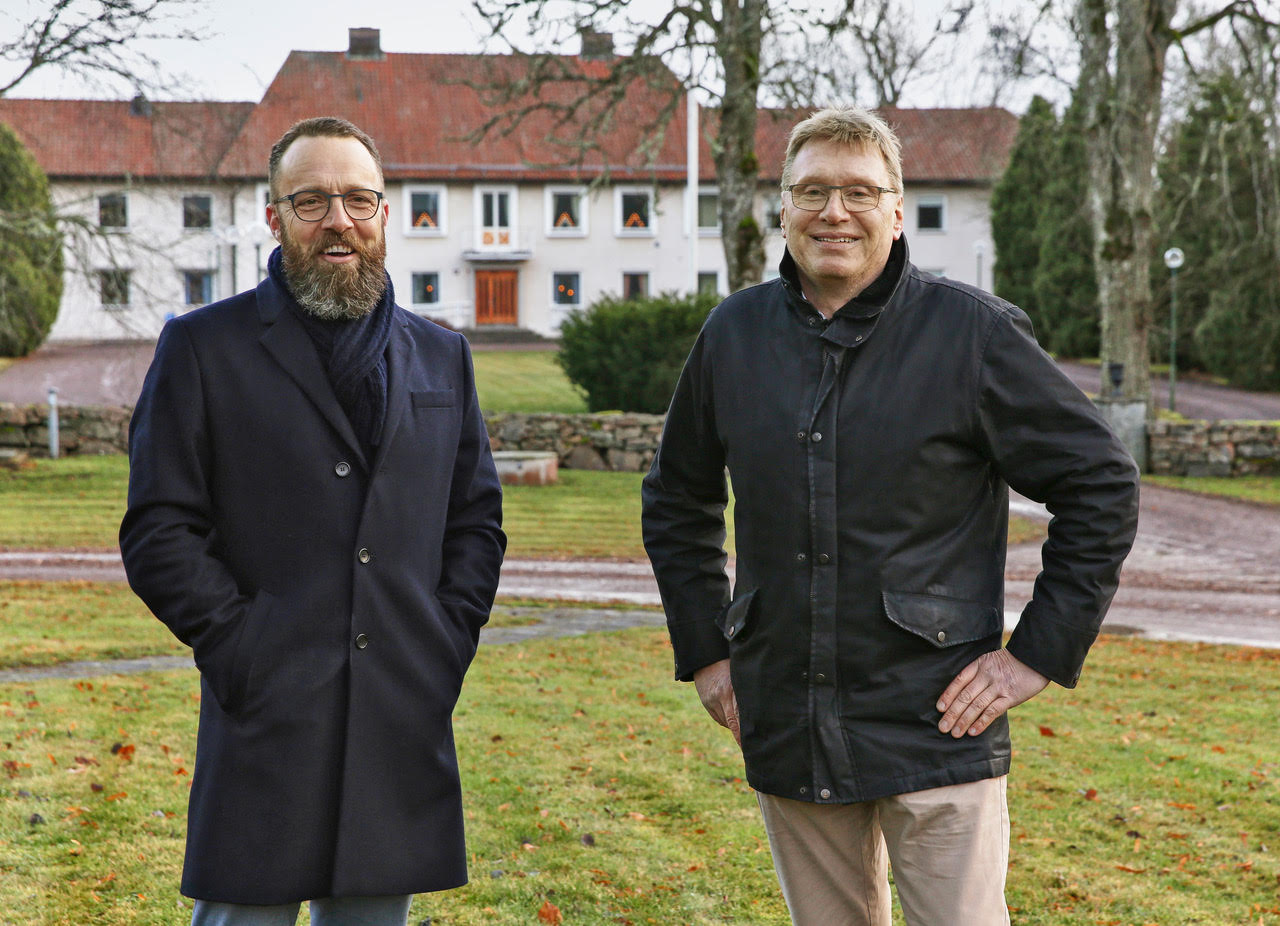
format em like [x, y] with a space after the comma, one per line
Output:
[81, 429]
[627, 442]
[612, 442]
[1214, 448]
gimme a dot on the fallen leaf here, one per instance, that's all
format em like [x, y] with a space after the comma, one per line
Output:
[1134, 871]
[550, 913]
[1047, 731]
[1091, 794]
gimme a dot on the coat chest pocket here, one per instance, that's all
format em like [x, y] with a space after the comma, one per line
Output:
[433, 398]
[940, 621]
[738, 617]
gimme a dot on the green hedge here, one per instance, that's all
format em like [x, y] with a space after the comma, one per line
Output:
[626, 354]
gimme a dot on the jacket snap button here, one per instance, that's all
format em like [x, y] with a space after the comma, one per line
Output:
[364, 555]
[801, 435]
[825, 794]
[813, 321]
[804, 790]
[361, 641]
[343, 469]
[858, 338]
[800, 557]
[820, 677]
[732, 631]
[942, 636]
[823, 558]
[817, 436]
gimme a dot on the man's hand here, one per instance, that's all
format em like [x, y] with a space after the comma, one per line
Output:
[984, 689]
[716, 691]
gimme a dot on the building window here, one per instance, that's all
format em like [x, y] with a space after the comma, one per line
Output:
[197, 287]
[635, 285]
[565, 289]
[708, 212]
[113, 211]
[635, 212]
[197, 211]
[424, 209]
[113, 287]
[496, 208]
[773, 217]
[931, 213]
[708, 282]
[426, 288]
[566, 216]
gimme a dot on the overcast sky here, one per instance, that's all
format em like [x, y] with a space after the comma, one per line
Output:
[246, 42]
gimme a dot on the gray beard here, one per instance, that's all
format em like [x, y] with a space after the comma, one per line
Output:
[335, 293]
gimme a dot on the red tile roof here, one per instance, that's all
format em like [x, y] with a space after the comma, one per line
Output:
[100, 138]
[939, 146]
[421, 110]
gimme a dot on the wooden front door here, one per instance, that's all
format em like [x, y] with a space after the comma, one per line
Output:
[496, 297]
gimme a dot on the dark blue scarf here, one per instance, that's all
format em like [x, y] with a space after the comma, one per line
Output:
[354, 355]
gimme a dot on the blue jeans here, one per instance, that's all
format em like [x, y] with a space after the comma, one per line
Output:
[344, 911]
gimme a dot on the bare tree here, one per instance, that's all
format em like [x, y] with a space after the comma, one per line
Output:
[95, 39]
[1124, 44]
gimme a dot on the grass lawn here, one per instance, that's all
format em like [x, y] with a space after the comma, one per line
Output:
[1264, 489]
[524, 381]
[77, 502]
[597, 786]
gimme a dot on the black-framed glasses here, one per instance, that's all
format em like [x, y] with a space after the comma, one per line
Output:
[313, 205]
[857, 197]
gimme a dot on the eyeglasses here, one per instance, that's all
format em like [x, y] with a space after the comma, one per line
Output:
[313, 205]
[857, 197]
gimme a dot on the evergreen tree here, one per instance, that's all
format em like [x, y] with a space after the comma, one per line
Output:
[1015, 206]
[1066, 286]
[31, 271]
[1217, 202]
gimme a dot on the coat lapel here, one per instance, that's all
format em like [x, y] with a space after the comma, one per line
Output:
[400, 358]
[287, 341]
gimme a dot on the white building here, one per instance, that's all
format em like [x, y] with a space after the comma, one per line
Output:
[512, 230]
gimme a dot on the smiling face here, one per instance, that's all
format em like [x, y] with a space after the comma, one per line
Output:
[840, 253]
[335, 267]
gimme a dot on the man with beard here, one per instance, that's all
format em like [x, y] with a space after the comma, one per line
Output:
[313, 508]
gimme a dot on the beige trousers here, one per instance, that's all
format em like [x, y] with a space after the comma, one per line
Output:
[949, 848]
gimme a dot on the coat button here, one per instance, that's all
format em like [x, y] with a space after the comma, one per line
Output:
[820, 677]
[732, 630]
[942, 636]
[801, 435]
[364, 555]
[823, 558]
[343, 468]
[817, 436]
[804, 790]
[825, 794]
[813, 321]
[800, 557]
[361, 641]
[858, 338]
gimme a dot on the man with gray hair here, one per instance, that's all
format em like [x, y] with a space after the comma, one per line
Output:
[871, 418]
[314, 509]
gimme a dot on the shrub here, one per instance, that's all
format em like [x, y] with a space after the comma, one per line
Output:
[626, 354]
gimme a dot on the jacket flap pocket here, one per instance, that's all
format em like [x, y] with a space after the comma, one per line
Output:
[432, 398]
[737, 616]
[942, 621]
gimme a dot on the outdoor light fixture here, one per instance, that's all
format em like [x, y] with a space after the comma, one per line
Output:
[1116, 372]
[1173, 259]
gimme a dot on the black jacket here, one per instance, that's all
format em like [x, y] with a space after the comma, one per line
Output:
[870, 458]
[333, 602]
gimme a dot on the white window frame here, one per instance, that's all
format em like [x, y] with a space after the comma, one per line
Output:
[413, 290]
[566, 306]
[648, 282]
[707, 231]
[709, 273]
[213, 283]
[261, 199]
[932, 199]
[111, 229]
[513, 217]
[772, 215]
[619, 228]
[549, 198]
[128, 278]
[192, 229]
[442, 226]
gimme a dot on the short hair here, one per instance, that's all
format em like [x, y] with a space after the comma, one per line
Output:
[849, 125]
[317, 127]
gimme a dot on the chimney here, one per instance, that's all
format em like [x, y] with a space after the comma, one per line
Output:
[140, 106]
[596, 44]
[364, 44]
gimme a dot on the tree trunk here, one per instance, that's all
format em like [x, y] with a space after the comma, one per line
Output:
[1123, 44]
[737, 167]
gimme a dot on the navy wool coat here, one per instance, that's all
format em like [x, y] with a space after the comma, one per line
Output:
[332, 602]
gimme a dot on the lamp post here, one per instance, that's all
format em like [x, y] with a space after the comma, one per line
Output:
[1173, 259]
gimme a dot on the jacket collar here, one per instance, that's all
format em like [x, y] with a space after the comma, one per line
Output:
[853, 322]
